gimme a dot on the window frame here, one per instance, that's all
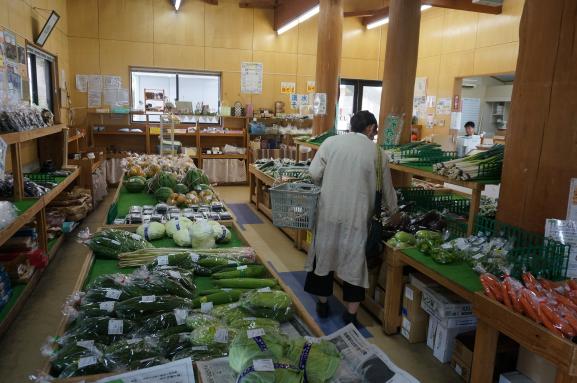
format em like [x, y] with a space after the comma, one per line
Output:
[177, 72]
[54, 78]
[358, 92]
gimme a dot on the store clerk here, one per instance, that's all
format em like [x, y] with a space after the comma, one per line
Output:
[470, 141]
[344, 167]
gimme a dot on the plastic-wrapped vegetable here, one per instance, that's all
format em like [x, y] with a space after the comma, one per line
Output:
[243, 271]
[165, 320]
[229, 313]
[220, 298]
[283, 373]
[183, 276]
[320, 360]
[151, 231]
[202, 235]
[183, 260]
[175, 225]
[104, 329]
[442, 256]
[129, 353]
[253, 322]
[135, 308]
[112, 281]
[212, 334]
[202, 352]
[109, 243]
[102, 294]
[146, 283]
[273, 304]
[405, 237]
[246, 347]
[66, 357]
[196, 320]
[182, 238]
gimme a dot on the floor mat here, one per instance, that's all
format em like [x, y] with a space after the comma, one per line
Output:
[244, 214]
[296, 281]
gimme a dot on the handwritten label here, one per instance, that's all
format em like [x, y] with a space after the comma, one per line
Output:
[87, 361]
[148, 299]
[107, 306]
[180, 315]
[115, 327]
[221, 335]
[87, 344]
[162, 260]
[253, 333]
[263, 365]
[113, 294]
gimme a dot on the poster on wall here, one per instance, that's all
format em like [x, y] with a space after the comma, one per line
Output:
[420, 87]
[311, 86]
[94, 99]
[572, 201]
[294, 100]
[21, 55]
[82, 83]
[444, 106]
[420, 107]
[10, 48]
[431, 101]
[288, 87]
[251, 78]
[94, 83]
[111, 82]
[320, 104]
[303, 99]
[14, 83]
[566, 233]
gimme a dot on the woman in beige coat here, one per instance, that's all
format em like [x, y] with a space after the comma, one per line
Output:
[345, 168]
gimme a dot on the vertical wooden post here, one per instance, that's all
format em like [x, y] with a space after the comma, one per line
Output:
[484, 357]
[16, 156]
[65, 134]
[330, 43]
[400, 64]
[541, 144]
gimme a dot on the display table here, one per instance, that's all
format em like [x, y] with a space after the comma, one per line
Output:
[459, 278]
[299, 143]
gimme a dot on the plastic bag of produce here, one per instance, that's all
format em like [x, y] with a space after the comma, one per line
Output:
[320, 360]
[182, 238]
[135, 308]
[283, 373]
[108, 243]
[273, 304]
[202, 352]
[196, 320]
[144, 282]
[229, 313]
[102, 329]
[68, 360]
[113, 281]
[134, 353]
[221, 232]
[8, 214]
[184, 260]
[175, 225]
[185, 277]
[151, 231]
[248, 323]
[202, 235]
[212, 334]
[102, 294]
[257, 344]
[242, 271]
[155, 323]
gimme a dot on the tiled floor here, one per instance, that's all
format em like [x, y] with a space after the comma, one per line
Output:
[20, 348]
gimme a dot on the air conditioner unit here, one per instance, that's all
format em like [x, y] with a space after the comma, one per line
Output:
[491, 3]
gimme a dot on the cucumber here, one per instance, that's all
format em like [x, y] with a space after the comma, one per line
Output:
[136, 307]
[221, 298]
[250, 271]
[246, 283]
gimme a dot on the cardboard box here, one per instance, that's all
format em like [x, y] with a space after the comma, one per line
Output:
[443, 304]
[535, 367]
[514, 377]
[421, 281]
[461, 368]
[414, 332]
[431, 332]
[445, 341]
[412, 304]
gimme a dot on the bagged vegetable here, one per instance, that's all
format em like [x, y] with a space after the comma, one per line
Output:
[155, 323]
[182, 238]
[137, 307]
[248, 323]
[151, 231]
[144, 282]
[320, 361]
[212, 334]
[184, 260]
[219, 298]
[64, 361]
[273, 304]
[246, 283]
[202, 235]
[175, 225]
[134, 353]
[202, 352]
[243, 271]
[103, 329]
[185, 277]
[109, 243]
[229, 313]
[251, 345]
[196, 320]
[103, 294]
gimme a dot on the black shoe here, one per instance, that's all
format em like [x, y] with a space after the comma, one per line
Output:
[323, 309]
[350, 318]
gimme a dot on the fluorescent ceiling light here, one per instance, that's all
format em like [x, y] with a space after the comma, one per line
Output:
[302, 18]
[384, 21]
[177, 4]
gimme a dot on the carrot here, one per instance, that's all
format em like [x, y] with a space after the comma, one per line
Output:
[530, 281]
[555, 320]
[572, 283]
[514, 288]
[547, 284]
[506, 297]
[564, 301]
[492, 287]
[528, 306]
[569, 317]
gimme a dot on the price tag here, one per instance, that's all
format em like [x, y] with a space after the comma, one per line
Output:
[242, 267]
[231, 262]
[226, 289]
[409, 293]
[221, 335]
[180, 315]
[234, 305]
[174, 274]
[115, 327]
[263, 365]
[312, 340]
[249, 318]
[148, 299]
[113, 294]
[115, 242]
[194, 257]
[162, 260]
[264, 290]
[206, 307]
[199, 348]
[87, 344]
[87, 361]
[107, 306]
[133, 340]
[253, 333]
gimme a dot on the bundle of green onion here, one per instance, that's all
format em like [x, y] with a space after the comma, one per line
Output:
[483, 165]
[415, 152]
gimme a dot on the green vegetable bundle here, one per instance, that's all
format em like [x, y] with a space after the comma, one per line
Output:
[212, 334]
[65, 360]
[241, 255]
[137, 307]
[246, 271]
[157, 284]
[194, 178]
[273, 304]
[229, 313]
[246, 283]
[243, 350]
[129, 353]
[203, 352]
[219, 298]
[103, 329]
[109, 243]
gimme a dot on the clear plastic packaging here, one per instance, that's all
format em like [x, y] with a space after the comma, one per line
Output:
[8, 214]
[266, 303]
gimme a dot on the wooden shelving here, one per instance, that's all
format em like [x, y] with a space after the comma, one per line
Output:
[19, 137]
[224, 156]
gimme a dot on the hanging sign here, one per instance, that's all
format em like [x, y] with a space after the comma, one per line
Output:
[311, 86]
[288, 87]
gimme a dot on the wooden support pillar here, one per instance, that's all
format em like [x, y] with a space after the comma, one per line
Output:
[18, 176]
[400, 64]
[330, 42]
[541, 144]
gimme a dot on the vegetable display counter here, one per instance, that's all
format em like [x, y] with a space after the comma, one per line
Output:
[94, 268]
[124, 200]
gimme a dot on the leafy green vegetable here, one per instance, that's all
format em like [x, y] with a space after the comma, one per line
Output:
[246, 271]
[220, 298]
[212, 334]
[323, 359]
[109, 243]
[272, 304]
[151, 231]
[244, 350]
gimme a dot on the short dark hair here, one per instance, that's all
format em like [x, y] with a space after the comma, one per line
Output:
[361, 120]
[470, 124]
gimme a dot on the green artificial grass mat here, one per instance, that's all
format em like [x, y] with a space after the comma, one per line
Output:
[126, 200]
[24, 204]
[460, 273]
[16, 292]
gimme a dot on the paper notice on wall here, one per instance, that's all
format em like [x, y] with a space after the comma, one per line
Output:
[456, 120]
[94, 99]
[431, 101]
[420, 87]
[110, 97]
[288, 87]
[572, 201]
[251, 77]
[311, 86]
[566, 233]
[444, 106]
[303, 99]
[82, 83]
[320, 104]
[111, 82]
[294, 100]
[94, 83]
[180, 371]
[122, 96]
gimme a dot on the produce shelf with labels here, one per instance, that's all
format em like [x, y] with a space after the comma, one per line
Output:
[201, 313]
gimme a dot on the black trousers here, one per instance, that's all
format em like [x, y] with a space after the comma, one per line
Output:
[323, 287]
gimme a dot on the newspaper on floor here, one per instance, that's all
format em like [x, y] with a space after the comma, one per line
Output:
[362, 362]
[179, 371]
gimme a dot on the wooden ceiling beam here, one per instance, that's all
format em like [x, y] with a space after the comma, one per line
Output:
[378, 15]
[266, 4]
[212, 2]
[465, 5]
[365, 13]
[287, 11]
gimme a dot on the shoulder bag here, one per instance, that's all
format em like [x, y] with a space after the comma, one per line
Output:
[375, 247]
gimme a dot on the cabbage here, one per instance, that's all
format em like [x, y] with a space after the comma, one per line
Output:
[151, 231]
[175, 225]
[215, 334]
[323, 360]
[221, 232]
[202, 235]
[182, 237]
[244, 350]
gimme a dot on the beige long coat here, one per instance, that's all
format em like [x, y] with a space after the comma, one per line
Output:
[345, 169]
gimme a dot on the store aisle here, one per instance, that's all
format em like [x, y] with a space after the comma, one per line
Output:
[43, 312]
